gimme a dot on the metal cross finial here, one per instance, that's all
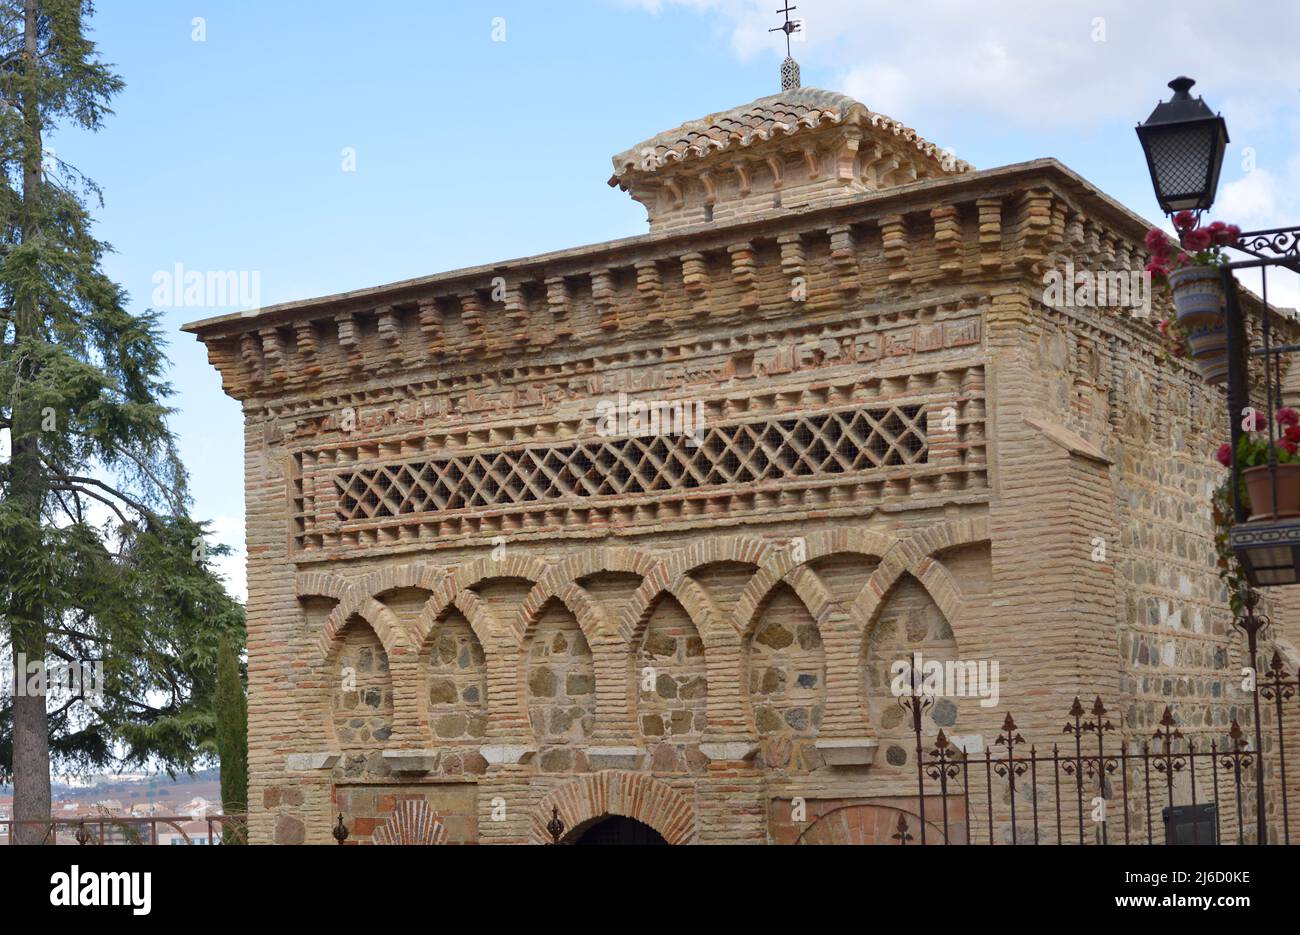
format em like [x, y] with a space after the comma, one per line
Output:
[788, 26]
[789, 68]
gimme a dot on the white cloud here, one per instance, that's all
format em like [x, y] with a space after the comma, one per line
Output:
[1025, 61]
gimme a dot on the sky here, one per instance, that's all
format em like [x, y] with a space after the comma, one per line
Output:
[323, 146]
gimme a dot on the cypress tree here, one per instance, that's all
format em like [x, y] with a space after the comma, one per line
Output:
[100, 561]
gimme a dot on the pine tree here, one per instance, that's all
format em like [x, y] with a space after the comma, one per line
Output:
[99, 558]
[232, 730]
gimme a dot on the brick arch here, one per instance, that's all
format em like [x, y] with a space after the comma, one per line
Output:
[471, 607]
[380, 619]
[709, 620]
[589, 614]
[745, 550]
[591, 561]
[413, 575]
[561, 580]
[321, 584]
[915, 556]
[617, 792]
[781, 566]
[454, 586]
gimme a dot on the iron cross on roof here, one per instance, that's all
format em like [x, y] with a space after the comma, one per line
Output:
[788, 26]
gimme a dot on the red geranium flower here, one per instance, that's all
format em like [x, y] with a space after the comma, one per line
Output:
[1258, 424]
[1157, 241]
[1231, 234]
[1184, 220]
[1198, 240]
[1292, 433]
[1224, 454]
[1288, 446]
[1288, 416]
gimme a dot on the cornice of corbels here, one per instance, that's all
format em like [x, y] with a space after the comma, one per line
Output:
[810, 161]
[516, 309]
[602, 296]
[710, 188]
[744, 272]
[776, 166]
[990, 233]
[695, 280]
[792, 254]
[650, 287]
[306, 344]
[1035, 225]
[948, 239]
[1092, 240]
[893, 238]
[1125, 255]
[883, 164]
[676, 192]
[1074, 235]
[388, 326]
[845, 257]
[846, 154]
[350, 340]
[273, 355]
[1107, 252]
[559, 299]
[431, 327]
[743, 179]
[471, 316]
[250, 354]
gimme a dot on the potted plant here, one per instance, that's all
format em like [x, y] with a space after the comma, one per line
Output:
[1190, 272]
[1269, 466]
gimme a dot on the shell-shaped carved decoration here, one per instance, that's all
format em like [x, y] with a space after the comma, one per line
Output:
[412, 822]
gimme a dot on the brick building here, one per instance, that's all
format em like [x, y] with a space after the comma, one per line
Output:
[635, 531]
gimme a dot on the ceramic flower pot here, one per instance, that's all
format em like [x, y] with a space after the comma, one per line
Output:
[1198, 303]
[1214, 369]
[1259, 487]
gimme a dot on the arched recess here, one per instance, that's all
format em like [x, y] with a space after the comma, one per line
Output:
[378, 617]
[668, 678]
[805, 552]
[908, 622]
[587, 562]
[917, 555]
[455, 681]
[617, 792]
[559, 684]
[786, 681]
[464, 579]
[360, 700]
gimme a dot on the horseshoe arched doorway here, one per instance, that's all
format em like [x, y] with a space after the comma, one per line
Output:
[589, 801]
[614, 829]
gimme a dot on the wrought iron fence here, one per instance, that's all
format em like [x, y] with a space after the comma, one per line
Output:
[128, 829]
[1101, 784]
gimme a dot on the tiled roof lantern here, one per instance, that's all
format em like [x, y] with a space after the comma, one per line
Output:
[801, 147]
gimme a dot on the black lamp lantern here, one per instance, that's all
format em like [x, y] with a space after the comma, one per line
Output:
[1184, 142]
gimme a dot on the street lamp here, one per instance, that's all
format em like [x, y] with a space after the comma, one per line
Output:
[1184, 142]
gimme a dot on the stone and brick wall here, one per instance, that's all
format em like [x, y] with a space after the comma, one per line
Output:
[469, 604]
